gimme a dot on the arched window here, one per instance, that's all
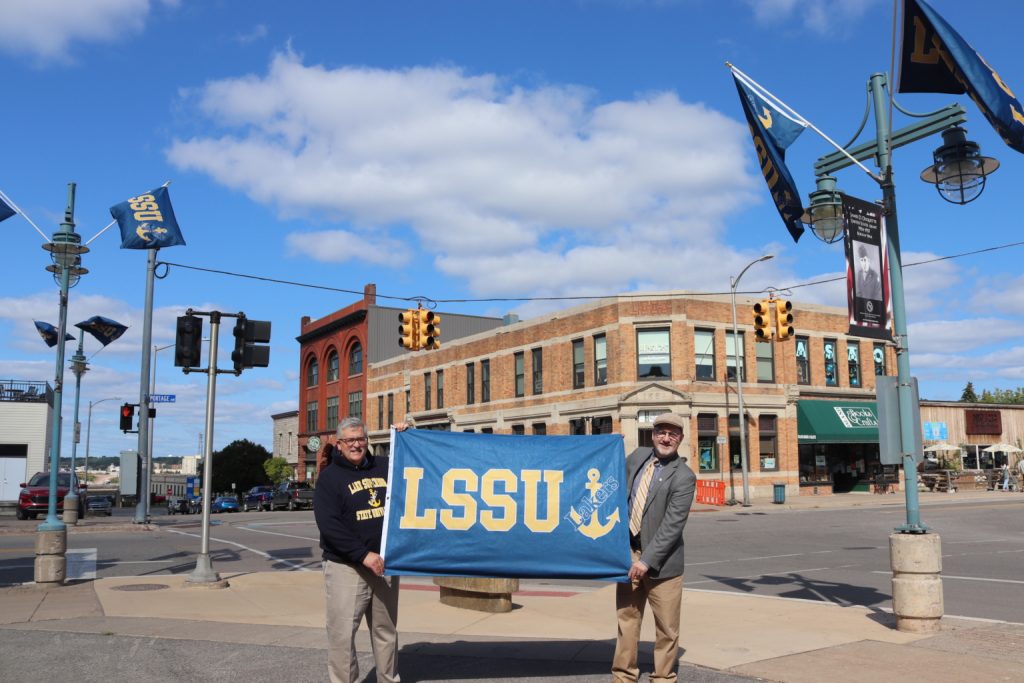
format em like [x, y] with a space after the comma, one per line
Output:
[355, 360]
[312, 373]
[332, 367]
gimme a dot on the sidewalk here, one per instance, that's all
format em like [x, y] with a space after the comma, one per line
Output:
[549, 631]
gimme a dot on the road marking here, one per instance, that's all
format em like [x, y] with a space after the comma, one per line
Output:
[968, 578]
[757, 576]
[750, 559]
[277, 533]
[114, 563]
[81, 564]
[294, 565]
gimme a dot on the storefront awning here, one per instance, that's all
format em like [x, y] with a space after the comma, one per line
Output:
[836, 422]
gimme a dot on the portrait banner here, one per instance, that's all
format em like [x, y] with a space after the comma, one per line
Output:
[506, 506]
[867, 269]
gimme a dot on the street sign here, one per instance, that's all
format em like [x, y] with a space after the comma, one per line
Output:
[161, 398]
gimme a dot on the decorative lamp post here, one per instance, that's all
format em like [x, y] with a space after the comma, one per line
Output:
[740, 366]
[88, 432]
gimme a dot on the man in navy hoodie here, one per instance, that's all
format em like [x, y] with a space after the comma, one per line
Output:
[349, 509]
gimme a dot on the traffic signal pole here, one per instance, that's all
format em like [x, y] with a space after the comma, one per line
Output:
[142, 507]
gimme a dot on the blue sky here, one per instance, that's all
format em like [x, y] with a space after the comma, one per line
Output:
[460, 149]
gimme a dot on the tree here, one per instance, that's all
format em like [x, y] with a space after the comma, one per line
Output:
[239, 463]
[278, 469]
[969, 396]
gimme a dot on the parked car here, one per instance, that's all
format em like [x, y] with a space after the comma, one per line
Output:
[258, 498]
[34, 497]
[224, 504]
[100, 505]
[292, 495]
[178, 506]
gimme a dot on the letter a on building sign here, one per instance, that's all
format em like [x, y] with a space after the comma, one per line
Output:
[506, 506]
[147, 221]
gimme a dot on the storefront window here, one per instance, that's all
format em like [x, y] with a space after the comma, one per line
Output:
[803, 361]
[831, 364]
[707, 443]
[853, 360]
[768, 442]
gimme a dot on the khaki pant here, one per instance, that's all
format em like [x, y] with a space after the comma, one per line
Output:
[665, 597]
[352, 593]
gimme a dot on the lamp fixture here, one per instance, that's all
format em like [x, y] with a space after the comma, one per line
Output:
[959, 171]
[825, 214]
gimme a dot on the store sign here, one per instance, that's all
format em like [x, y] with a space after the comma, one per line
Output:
[856, 418]
[983, 422]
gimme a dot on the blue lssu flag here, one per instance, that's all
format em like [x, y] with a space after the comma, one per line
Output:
[773, 131]
[6, 210]
[49, 333]
[503, 506]
[935, 59]
[147, 221]
[103, 329]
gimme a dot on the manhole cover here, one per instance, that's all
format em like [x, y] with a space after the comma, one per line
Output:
[141, 587]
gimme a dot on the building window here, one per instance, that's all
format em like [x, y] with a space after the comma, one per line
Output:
[704, 353]
[332, 413]
[391, 410]
[537, 361]
[879, 356]
[440, 389]
[519, 430]
[731, 359]
[769, 441]
[831, 365]
[765, 361]
[853, 361]
[520, 374]
[653, 354]
[470, 383]
[803, 361]
[355, 404]
[311, 416]
[487, 430]
[735, 456]
[355, 360]
[707, 446]
[601, 425]
[380, 412]
[427, 390]
[540, 429]
[578, 378]
[485, 381]
[312, 373]
[600, 360]
[408, 403]
[332, 367]
[578, 427]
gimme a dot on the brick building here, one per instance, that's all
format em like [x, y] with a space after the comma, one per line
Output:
[614, 364]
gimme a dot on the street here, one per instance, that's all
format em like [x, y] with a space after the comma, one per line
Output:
[834, 555]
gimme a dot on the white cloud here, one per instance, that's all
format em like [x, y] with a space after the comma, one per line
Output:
[492, 178]
[1002, 295]
[820, 16]
[252, 35]
[338, 246]
[46, 29]
[959, 336]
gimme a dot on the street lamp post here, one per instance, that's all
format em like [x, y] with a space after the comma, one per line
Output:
[88, 432]
[959, 171]
[740, 366]
[79, 367]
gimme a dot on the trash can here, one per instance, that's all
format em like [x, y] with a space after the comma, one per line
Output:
[779, 491]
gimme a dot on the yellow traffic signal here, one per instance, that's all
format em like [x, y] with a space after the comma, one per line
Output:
[430, 330]
[409, 330]
[763, 320]
[783, 319]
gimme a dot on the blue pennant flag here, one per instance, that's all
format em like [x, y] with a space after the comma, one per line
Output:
[935, 59]
[147, 221]
[104, 329]
[6, 210]
[773, 131]
[506, 506]
[49, 333]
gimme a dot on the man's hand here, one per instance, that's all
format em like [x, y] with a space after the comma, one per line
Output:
[637, 571]
[375, 563]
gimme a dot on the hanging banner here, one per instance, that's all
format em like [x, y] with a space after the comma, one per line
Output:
[147, 221]
[506, 506]
[867, 269]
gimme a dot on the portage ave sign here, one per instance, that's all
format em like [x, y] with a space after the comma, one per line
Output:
[162, 398]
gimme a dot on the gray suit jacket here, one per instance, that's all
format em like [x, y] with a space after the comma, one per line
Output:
[665, 513]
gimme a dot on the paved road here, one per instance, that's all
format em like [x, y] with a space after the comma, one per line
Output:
[835, 555]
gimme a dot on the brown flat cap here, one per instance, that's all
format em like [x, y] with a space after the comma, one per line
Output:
[671, 419]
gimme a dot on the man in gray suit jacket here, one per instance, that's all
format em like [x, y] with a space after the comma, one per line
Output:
[661, 493]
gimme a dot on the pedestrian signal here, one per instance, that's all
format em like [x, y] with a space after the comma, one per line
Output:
[127, 417]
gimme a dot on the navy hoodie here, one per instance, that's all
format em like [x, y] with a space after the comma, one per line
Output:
[349, 507]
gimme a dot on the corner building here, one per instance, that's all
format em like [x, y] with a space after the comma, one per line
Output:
[614, 364]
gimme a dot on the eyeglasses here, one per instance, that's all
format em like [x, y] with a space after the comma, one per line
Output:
[354, 441]
[669, 433]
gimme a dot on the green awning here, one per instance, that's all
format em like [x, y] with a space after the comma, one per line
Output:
[836, 422]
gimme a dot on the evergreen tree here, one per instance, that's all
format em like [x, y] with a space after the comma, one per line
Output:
[969, 396]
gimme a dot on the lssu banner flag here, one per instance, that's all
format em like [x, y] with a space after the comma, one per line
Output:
[506, 506]
[147, 221]
[934, 58]
[6, 210]
[103, 329]
[773, 130]
[49, 333]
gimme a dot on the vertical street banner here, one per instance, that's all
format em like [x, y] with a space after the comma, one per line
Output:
[506, 506]
[867, 269]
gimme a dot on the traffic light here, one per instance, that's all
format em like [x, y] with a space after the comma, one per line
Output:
[430, 330]
[127, 417]
[783, 319]
[188, 342]
[409, 330]
[763, 320]
[248, 353]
